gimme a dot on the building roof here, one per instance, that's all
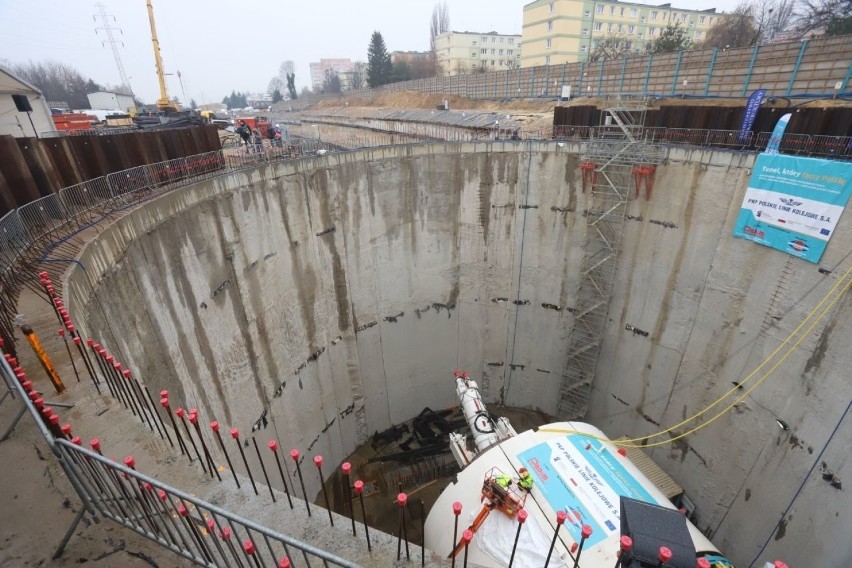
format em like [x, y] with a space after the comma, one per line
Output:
[11, 84]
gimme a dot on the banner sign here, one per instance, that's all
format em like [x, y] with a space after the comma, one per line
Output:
[752, 106]
[777, 134]
[580, 476]
[793, 204]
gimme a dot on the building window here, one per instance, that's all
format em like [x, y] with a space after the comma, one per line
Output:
[484, 40]
[548, 43]
[698, 35]
[640, 36]
[654, 15]
[493, 39]
[510, 52]
[483, 51]
[474, 54]
[550, 26]
[598, 26]
[621, 11]
[547, 60]
[501, 52]
[700, 19]
[492, 63]
[609, 28]
[651, 31]
[711, 21]
[583, 49]
[619, 28]
[585, 31]
[595, 42]
[587, 14]
[612, 10]
[630, 29]
[550, 8]
[474, 43]
[599, 8]
[493, 52]
[502, 63]
[501, 39]
[632, 12]
[511, 41]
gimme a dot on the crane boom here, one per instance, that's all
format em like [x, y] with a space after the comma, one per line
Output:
[163, 102]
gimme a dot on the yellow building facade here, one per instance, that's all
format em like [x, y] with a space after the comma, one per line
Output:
[460, 53]
[567, 31]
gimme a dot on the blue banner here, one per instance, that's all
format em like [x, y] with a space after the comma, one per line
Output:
[580, 476]
[751, 109]
[777, 134]
[793, 204]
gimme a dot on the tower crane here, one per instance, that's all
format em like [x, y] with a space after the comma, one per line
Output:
[163, 103]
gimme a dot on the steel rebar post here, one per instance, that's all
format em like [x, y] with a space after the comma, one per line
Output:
[110, 372]
[359, 490]
[467, 536]
[318, 463]
[61, 333]
[96, 356]
[625, 544]
[225, 534]
[116, 377]
[522, 516]
[193, 419]
[84, 355]
[402, 501]
[457, 509]
[164, 402]
[130, 462]
[263, 468]
[235, 434]
[248, 546]
[180, 413]
[422, 533]
[273, 447]
[184, 513]
[294, 453]
[215, 427]
[346, 469]
[211, 530]
[162, 513]
[585, 532]
[157, 415]
[134, 384]
[560, 520]
[124, 376]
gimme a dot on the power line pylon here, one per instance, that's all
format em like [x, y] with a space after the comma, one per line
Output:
[111, 39]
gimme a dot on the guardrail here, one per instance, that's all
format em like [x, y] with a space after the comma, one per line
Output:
[195, 529]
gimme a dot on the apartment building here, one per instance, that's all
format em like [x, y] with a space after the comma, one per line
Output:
[318, 69]
[566, 31]
[468, 52]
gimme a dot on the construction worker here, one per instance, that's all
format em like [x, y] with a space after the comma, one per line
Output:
[525, 481]
[504, 480]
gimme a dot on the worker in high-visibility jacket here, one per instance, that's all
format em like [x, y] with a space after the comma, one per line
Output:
[525, 480]
[503, 480]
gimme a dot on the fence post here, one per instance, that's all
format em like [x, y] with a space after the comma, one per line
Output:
[582, 74]
[750, 68]
[676, 72]
[710, 71]
[600, 77]
[648, 74]
[623, 68]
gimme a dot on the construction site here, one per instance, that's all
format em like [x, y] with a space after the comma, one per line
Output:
[462, 321]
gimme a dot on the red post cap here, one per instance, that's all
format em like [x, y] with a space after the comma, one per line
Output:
[96, 444]
[401, 499]
[33, 396]
[703, 563]
[318, 461]
[193, 411]
[28, 386]
[586, 531]
[211, 525]
[66, 429]
[225, 533]
[60, 332]
[284, 562]
[43, 274]
[46, 411]
[457, 373]
[235, 434]
[214, 426]
[182, 510]
[622, 452]
[38, 402]
[522, 515]
[77, 341]
[626, 543]
[465, 375]
[179, 412]
[130, 462]
[359, 487]
[467, 536]
[90, 342]
[164, 402]
[273, 445]
[779, 564]
[665, 554]
[162, 494]
[53, 419]
[148, 487]
[70, 327]
[560, 517]
[457, 508]
[77, 441]
[193, 418]
[164, 393]
[248, 546]
[117, 366]
[126, 373]
[346, 468]
[294, 453]
[110, 359]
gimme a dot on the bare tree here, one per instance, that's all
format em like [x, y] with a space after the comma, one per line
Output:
[438, 24]
[57, 81]
[611, 47]
[358, 75]
[275, 84]
[770, 17]
[737, 29]
[331, 81]
[833, 17]
[287, 74]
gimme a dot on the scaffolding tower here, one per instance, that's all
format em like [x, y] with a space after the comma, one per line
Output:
[615, 151]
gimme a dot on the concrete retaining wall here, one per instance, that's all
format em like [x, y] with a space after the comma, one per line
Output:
[336, 295]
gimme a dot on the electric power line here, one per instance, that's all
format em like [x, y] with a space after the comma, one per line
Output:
[108, 29]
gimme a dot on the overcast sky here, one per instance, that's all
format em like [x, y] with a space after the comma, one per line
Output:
[220, 46]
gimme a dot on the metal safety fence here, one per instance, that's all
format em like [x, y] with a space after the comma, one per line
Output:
[190, 527]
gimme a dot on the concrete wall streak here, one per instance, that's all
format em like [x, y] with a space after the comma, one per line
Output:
[337, 294]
